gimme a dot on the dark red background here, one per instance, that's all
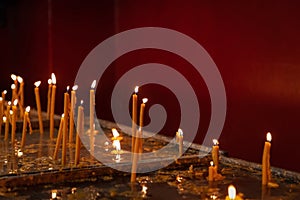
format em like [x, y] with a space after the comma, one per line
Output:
[255, 46]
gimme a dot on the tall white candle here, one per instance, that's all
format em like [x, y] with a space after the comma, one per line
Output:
[92, 113]
[38, 105]
[52, 107]
[72, 108]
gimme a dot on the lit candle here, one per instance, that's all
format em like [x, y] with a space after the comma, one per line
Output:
[80, 129]
[14, 86]
[3, 95]
[25, 126]
[215, 153]
[7, 120]
[49, 97]
[142, 110]
[52, 107]
[65, 127]
[1, 114]
[73, 102]
[13, 95]
[21, 95]
[179, 139]
[266, 172]
[59, 137]
[232, 194]
[138, 143]
[13, 121]
[134, 117]
[211, 171]
[38, 105]
[92, 126]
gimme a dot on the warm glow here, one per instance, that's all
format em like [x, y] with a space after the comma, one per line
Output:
[4, 91]
[1, 99]
[11, 112]
[93, 84]
[117, 145]
[180, 132]
[49, 81]
[20, 79]
[216, 142]
[75, 87]
[269, 137]
[19, 153]
[27, 109]
[211, 163]
[145, 100]
[15, 102]
[115, 133]
[13, 86]
[53, 77]
[37, 84]
[81, 102]
[4, 119]
[179, 179]
[9, 103]
[231, 192]
[13, 77]
[53, 194]
[63, 115]
[144, 189]
[68, 87]
[136, 89]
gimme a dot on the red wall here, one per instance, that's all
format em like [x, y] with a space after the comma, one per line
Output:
[255, 46]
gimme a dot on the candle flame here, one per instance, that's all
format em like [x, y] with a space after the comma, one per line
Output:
[81, 102]
[1, 99]
[13, 77]
[9, 103]
[179, 178]
[37, 84]
[115, 133]
[20, 79]
[269, 137]
[4, 91]
[136, 89]
[15, 102]
[216, 142]
[117, 145]
[4, 119]
[11, 112]
[49, 81]
[144, 189]
[53, 194]
[231, 192]
[68, 87]
[145, 100]
[180, 132]
[19, 153]
[53, 77]
[93, 84]
[75, 87]
[13, 86]
[211, 163]
[27, 109]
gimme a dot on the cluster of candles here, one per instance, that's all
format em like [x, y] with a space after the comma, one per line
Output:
[11, 111]
[66, 128]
